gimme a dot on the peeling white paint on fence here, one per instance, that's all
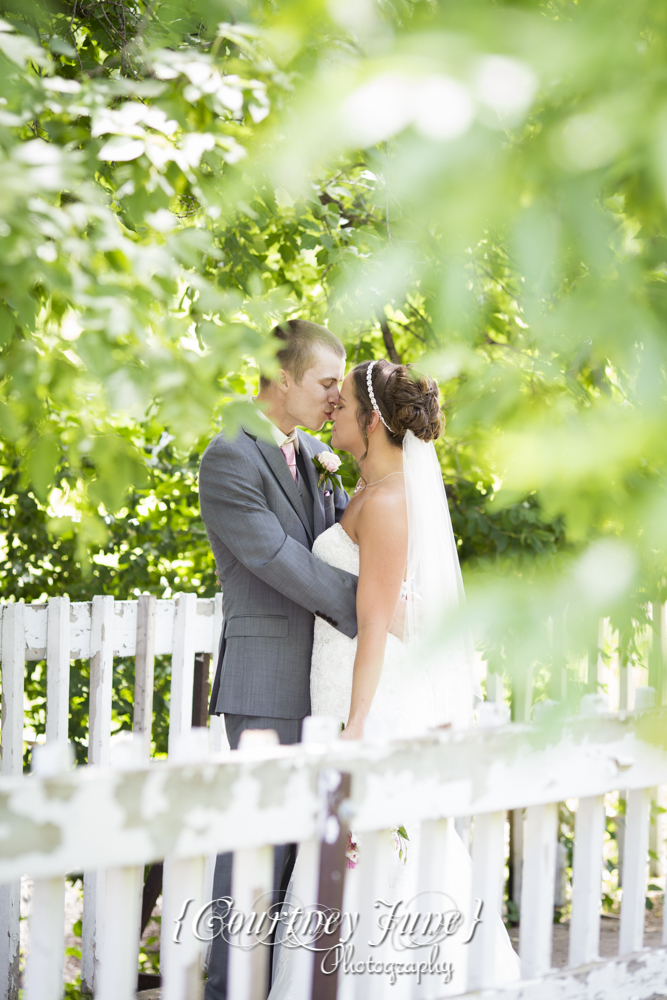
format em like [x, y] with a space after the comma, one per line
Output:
[124, 628]
[110, 821]
[640, 977]
[117, 820]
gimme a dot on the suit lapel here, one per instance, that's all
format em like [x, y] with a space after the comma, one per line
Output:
[280, 469]
[319, 522]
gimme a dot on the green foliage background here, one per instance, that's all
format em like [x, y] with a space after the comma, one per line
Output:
[477, 186]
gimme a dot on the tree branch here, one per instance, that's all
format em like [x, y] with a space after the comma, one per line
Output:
[388, 338]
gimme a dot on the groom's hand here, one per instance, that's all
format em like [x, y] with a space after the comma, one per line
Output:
[397, 626]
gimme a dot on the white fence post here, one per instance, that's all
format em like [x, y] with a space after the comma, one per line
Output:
[118, 946]
[323, 731]
[142, 726]
[99, 735]
[252, 891]
[13, 668]
[635, 859]
[180, 960]
[44, 962]
[488, 863]
[144, 671]
[182, 668]
[537, 895]
[433, 868]
[587, 881]
[101, 680]
[183, 880]
[375, 857]
[57, 669]
[495, 686]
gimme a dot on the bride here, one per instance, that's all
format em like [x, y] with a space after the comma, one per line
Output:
[396, 535]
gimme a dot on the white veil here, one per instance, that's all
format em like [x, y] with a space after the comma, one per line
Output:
[435, 588]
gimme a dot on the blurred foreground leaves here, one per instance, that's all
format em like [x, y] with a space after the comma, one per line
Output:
[476, 186]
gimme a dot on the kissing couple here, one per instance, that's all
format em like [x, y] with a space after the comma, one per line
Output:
[328, 599]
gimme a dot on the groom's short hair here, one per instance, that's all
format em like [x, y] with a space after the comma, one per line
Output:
[299, 337]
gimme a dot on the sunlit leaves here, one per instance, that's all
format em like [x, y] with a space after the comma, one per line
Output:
[474, 185]
[104, 243]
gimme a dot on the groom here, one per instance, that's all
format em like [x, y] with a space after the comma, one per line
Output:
[263, 508]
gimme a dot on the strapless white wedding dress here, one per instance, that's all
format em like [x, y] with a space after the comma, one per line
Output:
[402, 707]
[402, 704]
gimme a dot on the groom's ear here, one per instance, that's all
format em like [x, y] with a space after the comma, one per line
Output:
[283, 379]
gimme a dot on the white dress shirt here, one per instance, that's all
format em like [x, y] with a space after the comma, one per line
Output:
[279, 436]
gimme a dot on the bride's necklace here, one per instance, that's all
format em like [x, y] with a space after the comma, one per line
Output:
[358, 488]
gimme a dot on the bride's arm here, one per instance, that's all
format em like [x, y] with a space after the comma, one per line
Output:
[382, 532]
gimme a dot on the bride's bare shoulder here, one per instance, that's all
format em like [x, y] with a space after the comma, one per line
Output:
[384, 508]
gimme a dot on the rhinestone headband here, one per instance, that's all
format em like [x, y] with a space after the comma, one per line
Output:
[371, 395]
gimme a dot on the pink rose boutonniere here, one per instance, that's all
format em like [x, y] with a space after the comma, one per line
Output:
[327, 465]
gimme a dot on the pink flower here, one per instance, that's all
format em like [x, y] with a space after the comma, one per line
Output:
[351, 852]
[330, 461]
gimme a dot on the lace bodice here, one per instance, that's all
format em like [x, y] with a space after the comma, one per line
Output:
[335, 547]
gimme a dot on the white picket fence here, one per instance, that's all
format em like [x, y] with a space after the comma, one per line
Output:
[99, 630]
[113, 821]
[114, 816]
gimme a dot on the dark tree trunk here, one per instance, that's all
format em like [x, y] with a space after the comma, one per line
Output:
[388, 338]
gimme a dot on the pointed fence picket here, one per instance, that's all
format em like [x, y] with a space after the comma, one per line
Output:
[144, 671]
[57, 669]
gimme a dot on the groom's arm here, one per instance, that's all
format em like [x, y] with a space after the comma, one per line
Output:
[233, 506]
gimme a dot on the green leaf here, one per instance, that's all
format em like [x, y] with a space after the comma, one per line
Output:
[62, 47]
[41, 464]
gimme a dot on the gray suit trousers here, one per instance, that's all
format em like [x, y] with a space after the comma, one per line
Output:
[289, 731]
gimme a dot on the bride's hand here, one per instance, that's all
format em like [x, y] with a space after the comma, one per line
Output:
[353, 731]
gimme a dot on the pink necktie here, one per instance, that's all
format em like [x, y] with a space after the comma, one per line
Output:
[290, 457]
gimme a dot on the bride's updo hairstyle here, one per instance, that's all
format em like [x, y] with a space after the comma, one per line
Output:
[407, 401]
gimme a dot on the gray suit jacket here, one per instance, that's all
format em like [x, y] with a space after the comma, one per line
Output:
[273, 585]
